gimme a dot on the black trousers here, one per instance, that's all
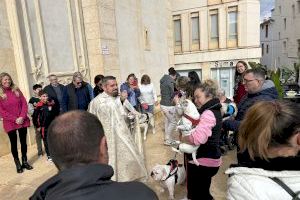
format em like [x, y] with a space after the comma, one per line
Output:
[13, 142]
[45, 140]
[199, 181]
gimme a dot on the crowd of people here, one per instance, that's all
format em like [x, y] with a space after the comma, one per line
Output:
[266, 132]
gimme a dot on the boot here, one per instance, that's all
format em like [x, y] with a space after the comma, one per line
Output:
[25, 164]
[18, 165]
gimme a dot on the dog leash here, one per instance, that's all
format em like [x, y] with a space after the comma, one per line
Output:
[174, 168]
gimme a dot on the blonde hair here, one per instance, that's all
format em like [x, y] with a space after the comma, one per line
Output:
[209, 87]
[12, 85]
[268, 124]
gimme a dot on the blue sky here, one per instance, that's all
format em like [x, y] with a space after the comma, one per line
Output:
[265, 8]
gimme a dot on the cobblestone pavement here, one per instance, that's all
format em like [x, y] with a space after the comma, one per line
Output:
[15, 186]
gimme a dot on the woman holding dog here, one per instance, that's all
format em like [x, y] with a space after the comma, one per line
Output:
[270, 135]
[207, 135]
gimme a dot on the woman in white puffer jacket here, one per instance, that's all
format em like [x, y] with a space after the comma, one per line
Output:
[270, 136]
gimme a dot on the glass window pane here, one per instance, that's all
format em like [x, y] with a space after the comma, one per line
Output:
[195, 28]
[214, 26]
[177, 30]
[232, 24]
[214, 74]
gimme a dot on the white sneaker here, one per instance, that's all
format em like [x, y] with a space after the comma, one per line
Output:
[49, 159]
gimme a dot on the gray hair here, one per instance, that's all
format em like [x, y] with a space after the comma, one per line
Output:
[77, 75]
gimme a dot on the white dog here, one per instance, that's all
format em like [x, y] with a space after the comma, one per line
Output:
[143, 120]
[189, 119]
[147, 119]
[169, 175]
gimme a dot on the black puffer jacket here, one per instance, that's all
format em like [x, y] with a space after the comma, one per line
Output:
[91, 182]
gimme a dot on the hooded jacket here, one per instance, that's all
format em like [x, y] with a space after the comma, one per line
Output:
[166, 90]
[91, 182]
[253, 181]
[267, 93]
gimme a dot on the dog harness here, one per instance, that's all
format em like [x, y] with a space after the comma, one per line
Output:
[173, 170]
[195, 122]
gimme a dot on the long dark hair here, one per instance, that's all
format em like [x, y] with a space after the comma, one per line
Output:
[194, 78]
[237, 76]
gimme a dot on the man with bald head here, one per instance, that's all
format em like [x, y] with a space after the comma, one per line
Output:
[79, 150]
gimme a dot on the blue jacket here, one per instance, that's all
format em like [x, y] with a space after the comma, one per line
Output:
[268, 93]
[133, 94]
[76, 98]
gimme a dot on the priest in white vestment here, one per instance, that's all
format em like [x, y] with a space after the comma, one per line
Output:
[124, 156]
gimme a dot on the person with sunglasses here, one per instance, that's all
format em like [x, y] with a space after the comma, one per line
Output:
[76, 95]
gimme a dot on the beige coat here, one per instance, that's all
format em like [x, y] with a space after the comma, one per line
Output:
[124, 156]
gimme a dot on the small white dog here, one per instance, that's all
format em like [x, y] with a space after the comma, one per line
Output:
[189, 119]
[145, 120]
[169, 175]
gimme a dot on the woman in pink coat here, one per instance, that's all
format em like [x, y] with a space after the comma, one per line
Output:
[13, 110]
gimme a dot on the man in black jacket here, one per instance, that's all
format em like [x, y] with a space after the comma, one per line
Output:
[76, 95]
[55, 92]
[79, 150]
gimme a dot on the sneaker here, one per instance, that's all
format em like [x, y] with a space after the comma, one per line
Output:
[49, 159]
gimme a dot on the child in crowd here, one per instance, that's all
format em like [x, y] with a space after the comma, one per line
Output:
[31, 106]
[42, 117]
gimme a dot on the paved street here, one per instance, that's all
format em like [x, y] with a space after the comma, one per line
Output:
[21, 186]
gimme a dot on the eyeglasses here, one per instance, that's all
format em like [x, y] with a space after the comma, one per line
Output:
[248, 81]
